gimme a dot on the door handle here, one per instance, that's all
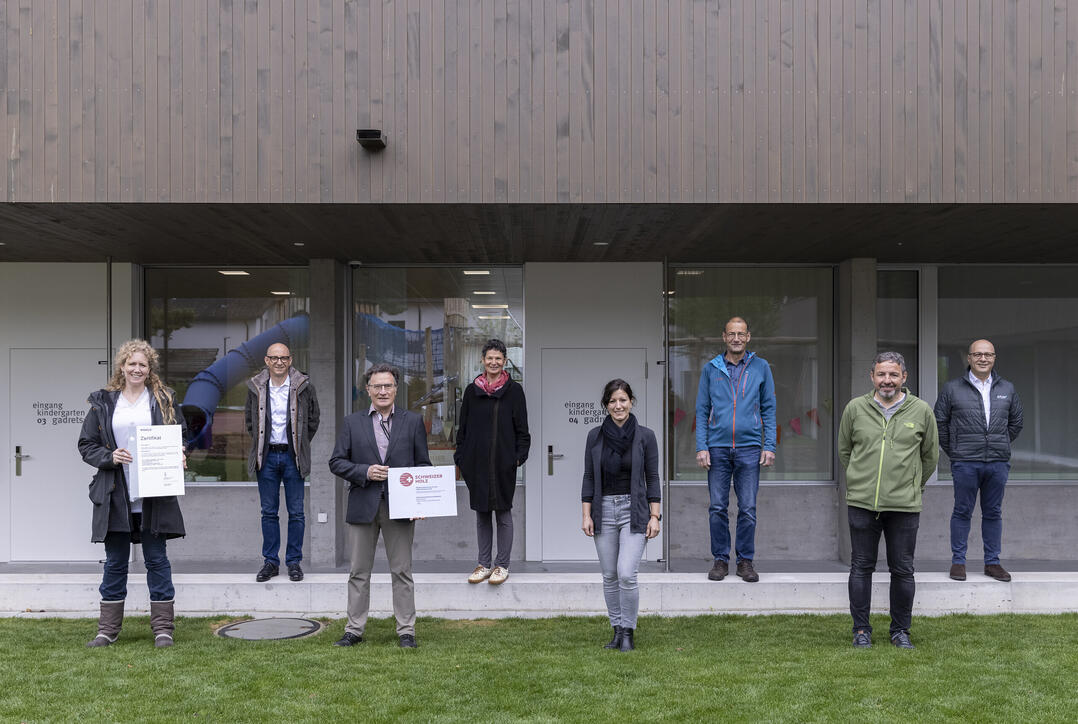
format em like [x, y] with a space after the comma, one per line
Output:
[19, 457]
[551, 456]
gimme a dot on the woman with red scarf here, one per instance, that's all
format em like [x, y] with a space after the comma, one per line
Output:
[492, 442]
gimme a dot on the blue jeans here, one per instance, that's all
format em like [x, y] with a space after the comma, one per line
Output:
[277, 468]
[158, 569]
[991, 480]
[743, 466]
[619, 552]
[900, 534]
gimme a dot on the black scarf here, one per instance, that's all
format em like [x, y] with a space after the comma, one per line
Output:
[616, 442]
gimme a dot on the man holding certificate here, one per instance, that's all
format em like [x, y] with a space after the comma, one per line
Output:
[368, 445]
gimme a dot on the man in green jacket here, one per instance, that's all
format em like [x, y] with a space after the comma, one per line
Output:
[887, 444]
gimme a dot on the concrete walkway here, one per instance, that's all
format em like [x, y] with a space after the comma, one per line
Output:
[539, 594]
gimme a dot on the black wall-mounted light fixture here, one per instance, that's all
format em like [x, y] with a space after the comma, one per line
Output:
[371, 139]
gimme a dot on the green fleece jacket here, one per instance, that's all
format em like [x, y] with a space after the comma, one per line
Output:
[887, 462]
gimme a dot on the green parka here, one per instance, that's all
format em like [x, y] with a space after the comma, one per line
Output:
[887, 462]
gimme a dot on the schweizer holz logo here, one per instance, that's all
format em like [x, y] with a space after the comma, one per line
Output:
[406, 479]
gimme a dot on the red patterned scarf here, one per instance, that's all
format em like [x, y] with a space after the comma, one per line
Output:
[490, 389]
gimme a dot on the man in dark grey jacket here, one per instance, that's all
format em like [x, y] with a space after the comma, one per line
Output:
[978, 415]
[282, 417]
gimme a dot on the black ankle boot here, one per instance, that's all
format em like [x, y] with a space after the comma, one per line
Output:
[615, 643]
[627, 639]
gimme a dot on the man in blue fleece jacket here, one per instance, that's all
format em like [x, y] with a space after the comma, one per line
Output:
[735, 435]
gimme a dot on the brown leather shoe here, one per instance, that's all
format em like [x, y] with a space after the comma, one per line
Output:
[958, 571]
[718, 571]
[747, 572]
[998, 572]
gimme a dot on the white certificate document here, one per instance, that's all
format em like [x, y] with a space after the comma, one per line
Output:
[159, 460]
[427, 492]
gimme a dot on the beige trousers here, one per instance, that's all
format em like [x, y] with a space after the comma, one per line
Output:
[398, 535]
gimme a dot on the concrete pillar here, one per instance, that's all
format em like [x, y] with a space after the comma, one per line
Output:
[856, 335]
[330, 343]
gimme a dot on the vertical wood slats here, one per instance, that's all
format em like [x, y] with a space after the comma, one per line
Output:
[540, 101]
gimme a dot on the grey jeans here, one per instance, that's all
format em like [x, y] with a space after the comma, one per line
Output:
[619, 558]
[485, 533]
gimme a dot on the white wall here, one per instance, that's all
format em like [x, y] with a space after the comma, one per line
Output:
[588, 306]
[53, 306]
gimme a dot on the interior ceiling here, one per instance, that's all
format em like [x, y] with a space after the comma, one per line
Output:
[236, 234]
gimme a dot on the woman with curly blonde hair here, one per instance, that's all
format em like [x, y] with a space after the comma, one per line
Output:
[135, 396]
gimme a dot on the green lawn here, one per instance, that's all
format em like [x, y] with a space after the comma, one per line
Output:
[761, 668]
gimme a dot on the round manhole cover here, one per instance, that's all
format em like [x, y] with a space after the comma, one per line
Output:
[267, 629]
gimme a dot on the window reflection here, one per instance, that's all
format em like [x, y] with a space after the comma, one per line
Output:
[432, 323]
[1030, 314]
[212, 332]
[790, 317]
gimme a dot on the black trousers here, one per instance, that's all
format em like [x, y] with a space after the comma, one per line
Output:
[900, 535]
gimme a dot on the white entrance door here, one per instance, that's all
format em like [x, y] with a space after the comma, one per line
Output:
[572, 385]
[50, 511]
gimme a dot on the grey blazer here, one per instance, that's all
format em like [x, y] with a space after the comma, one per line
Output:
[356, 450]
[643, 485]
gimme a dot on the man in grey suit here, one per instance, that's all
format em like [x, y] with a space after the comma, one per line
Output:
[369, 444]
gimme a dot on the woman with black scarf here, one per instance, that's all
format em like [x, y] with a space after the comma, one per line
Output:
[621, 502]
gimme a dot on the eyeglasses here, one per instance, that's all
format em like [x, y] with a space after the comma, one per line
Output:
[381, 388]
[736, 335]
[982, 355]
[278, 359]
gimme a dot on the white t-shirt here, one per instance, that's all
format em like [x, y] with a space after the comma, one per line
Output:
[125, 418]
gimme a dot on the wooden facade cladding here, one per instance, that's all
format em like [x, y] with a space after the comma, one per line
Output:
[540, 101]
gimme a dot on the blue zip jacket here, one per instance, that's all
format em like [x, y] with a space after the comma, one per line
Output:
[726, 417]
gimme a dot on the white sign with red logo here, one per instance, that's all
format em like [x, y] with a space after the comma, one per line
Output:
[427, 492]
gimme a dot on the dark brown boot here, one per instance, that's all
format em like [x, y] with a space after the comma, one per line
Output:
[718, 571]
[162, 614]
[958, 572]
[998, 572]
[747, 572]
[109, 621]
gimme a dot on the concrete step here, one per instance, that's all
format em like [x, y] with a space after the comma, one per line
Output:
[448, 595]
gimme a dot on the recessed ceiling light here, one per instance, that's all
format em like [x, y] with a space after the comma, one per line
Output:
[494, 316]
[490, 306]
[3, 243]
[233, 273]
[671, 292]
[689, 272]
[477, 272]
[600, 243]
[484, 292]
[282, 294]
[298, 243]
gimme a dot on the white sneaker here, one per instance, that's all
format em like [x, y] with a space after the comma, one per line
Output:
[480, 574]
[498, 576]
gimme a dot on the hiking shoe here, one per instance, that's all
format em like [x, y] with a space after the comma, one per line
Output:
[901, 639]
[480, 574]
[958, 571]
[998, 572]
[498, 575]
[862, 640]
[407, 641]
[349, 639]
[718, 571]
[267, 572]
[747, 572]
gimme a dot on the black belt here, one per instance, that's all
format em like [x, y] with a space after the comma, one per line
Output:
[278, 447]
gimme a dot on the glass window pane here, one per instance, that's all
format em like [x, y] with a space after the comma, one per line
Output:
[432, 323]
[897, 319]
[1030, 314]
[790, 317]
[212, 332]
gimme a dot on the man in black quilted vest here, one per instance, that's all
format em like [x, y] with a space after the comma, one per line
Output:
[979, 415]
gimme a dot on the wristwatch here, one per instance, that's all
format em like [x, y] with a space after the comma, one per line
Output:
[659, 516]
